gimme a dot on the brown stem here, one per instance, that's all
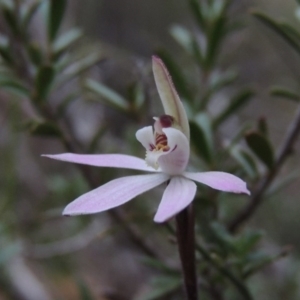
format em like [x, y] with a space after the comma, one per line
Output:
[257, 197]
[185, 230]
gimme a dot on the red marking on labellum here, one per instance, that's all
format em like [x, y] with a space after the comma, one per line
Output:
[161, 142]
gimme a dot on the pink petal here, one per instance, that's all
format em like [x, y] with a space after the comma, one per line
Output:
[168, 95]
[174, 161]
[114, 193]
[104, 160]
[220, 181]
[179, 193]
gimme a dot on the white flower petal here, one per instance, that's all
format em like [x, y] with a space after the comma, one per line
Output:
[104, 160]
[220, 181]
[176, 159]
[113, 194]
[146, 137]
[179, 193]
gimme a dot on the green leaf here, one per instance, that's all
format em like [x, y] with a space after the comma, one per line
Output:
[158, 265]
[35, 53]
[247, 241]
[76, 68]
[236, 103]
[202, 138]
[10, 18]
[291, 30]
[196, 9]
[262, 147]
[43, 81]
[63, 106]
[262, 126]
[284, 92]
[222, 236]
[5, 50]
[56, 12]
[239, 135]
[258, 260]
[217, 82]
[215, 36]
[279, 29]
[84, 292]
[107, 95]
[65, 41]
[282, 183]
[162, 286]
[136, 96]
[45, 129]
[197, 52]
[182, 36]
[29, 13]
[245, 161]
[14, 86]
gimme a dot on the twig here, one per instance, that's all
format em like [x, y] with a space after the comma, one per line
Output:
[257, 197]
[227, 274]
[219, 267]
[185, 225]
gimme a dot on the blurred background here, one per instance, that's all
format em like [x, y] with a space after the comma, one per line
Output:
[46, 256]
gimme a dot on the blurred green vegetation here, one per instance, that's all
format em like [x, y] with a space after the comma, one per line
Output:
[77, 77]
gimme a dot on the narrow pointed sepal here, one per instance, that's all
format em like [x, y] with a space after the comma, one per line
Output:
[221, 181]
[168, 95]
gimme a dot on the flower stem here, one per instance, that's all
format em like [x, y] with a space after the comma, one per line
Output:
[185, 230]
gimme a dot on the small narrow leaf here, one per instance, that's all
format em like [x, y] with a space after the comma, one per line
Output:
[162, 286]
[84, 291]
[43, 82]
[215, 36]
[45, 129]
[11, 19]
[183, 37]
[262, 147]
[245, 160]
[247, 241]
[108, 95]
[284, 92]
[5, 50]
[66, 40]
[56, 13]
[35, 53]
[202, 140]
[14, 86]
[29, 13]
[262, 126]
[258, 260]
[196, 9]
[236, 103]
[282, 183]
[279, 29]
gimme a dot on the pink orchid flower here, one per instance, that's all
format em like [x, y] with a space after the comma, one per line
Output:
[167, 155]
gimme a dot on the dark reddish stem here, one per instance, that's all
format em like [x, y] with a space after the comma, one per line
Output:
[185, 230]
